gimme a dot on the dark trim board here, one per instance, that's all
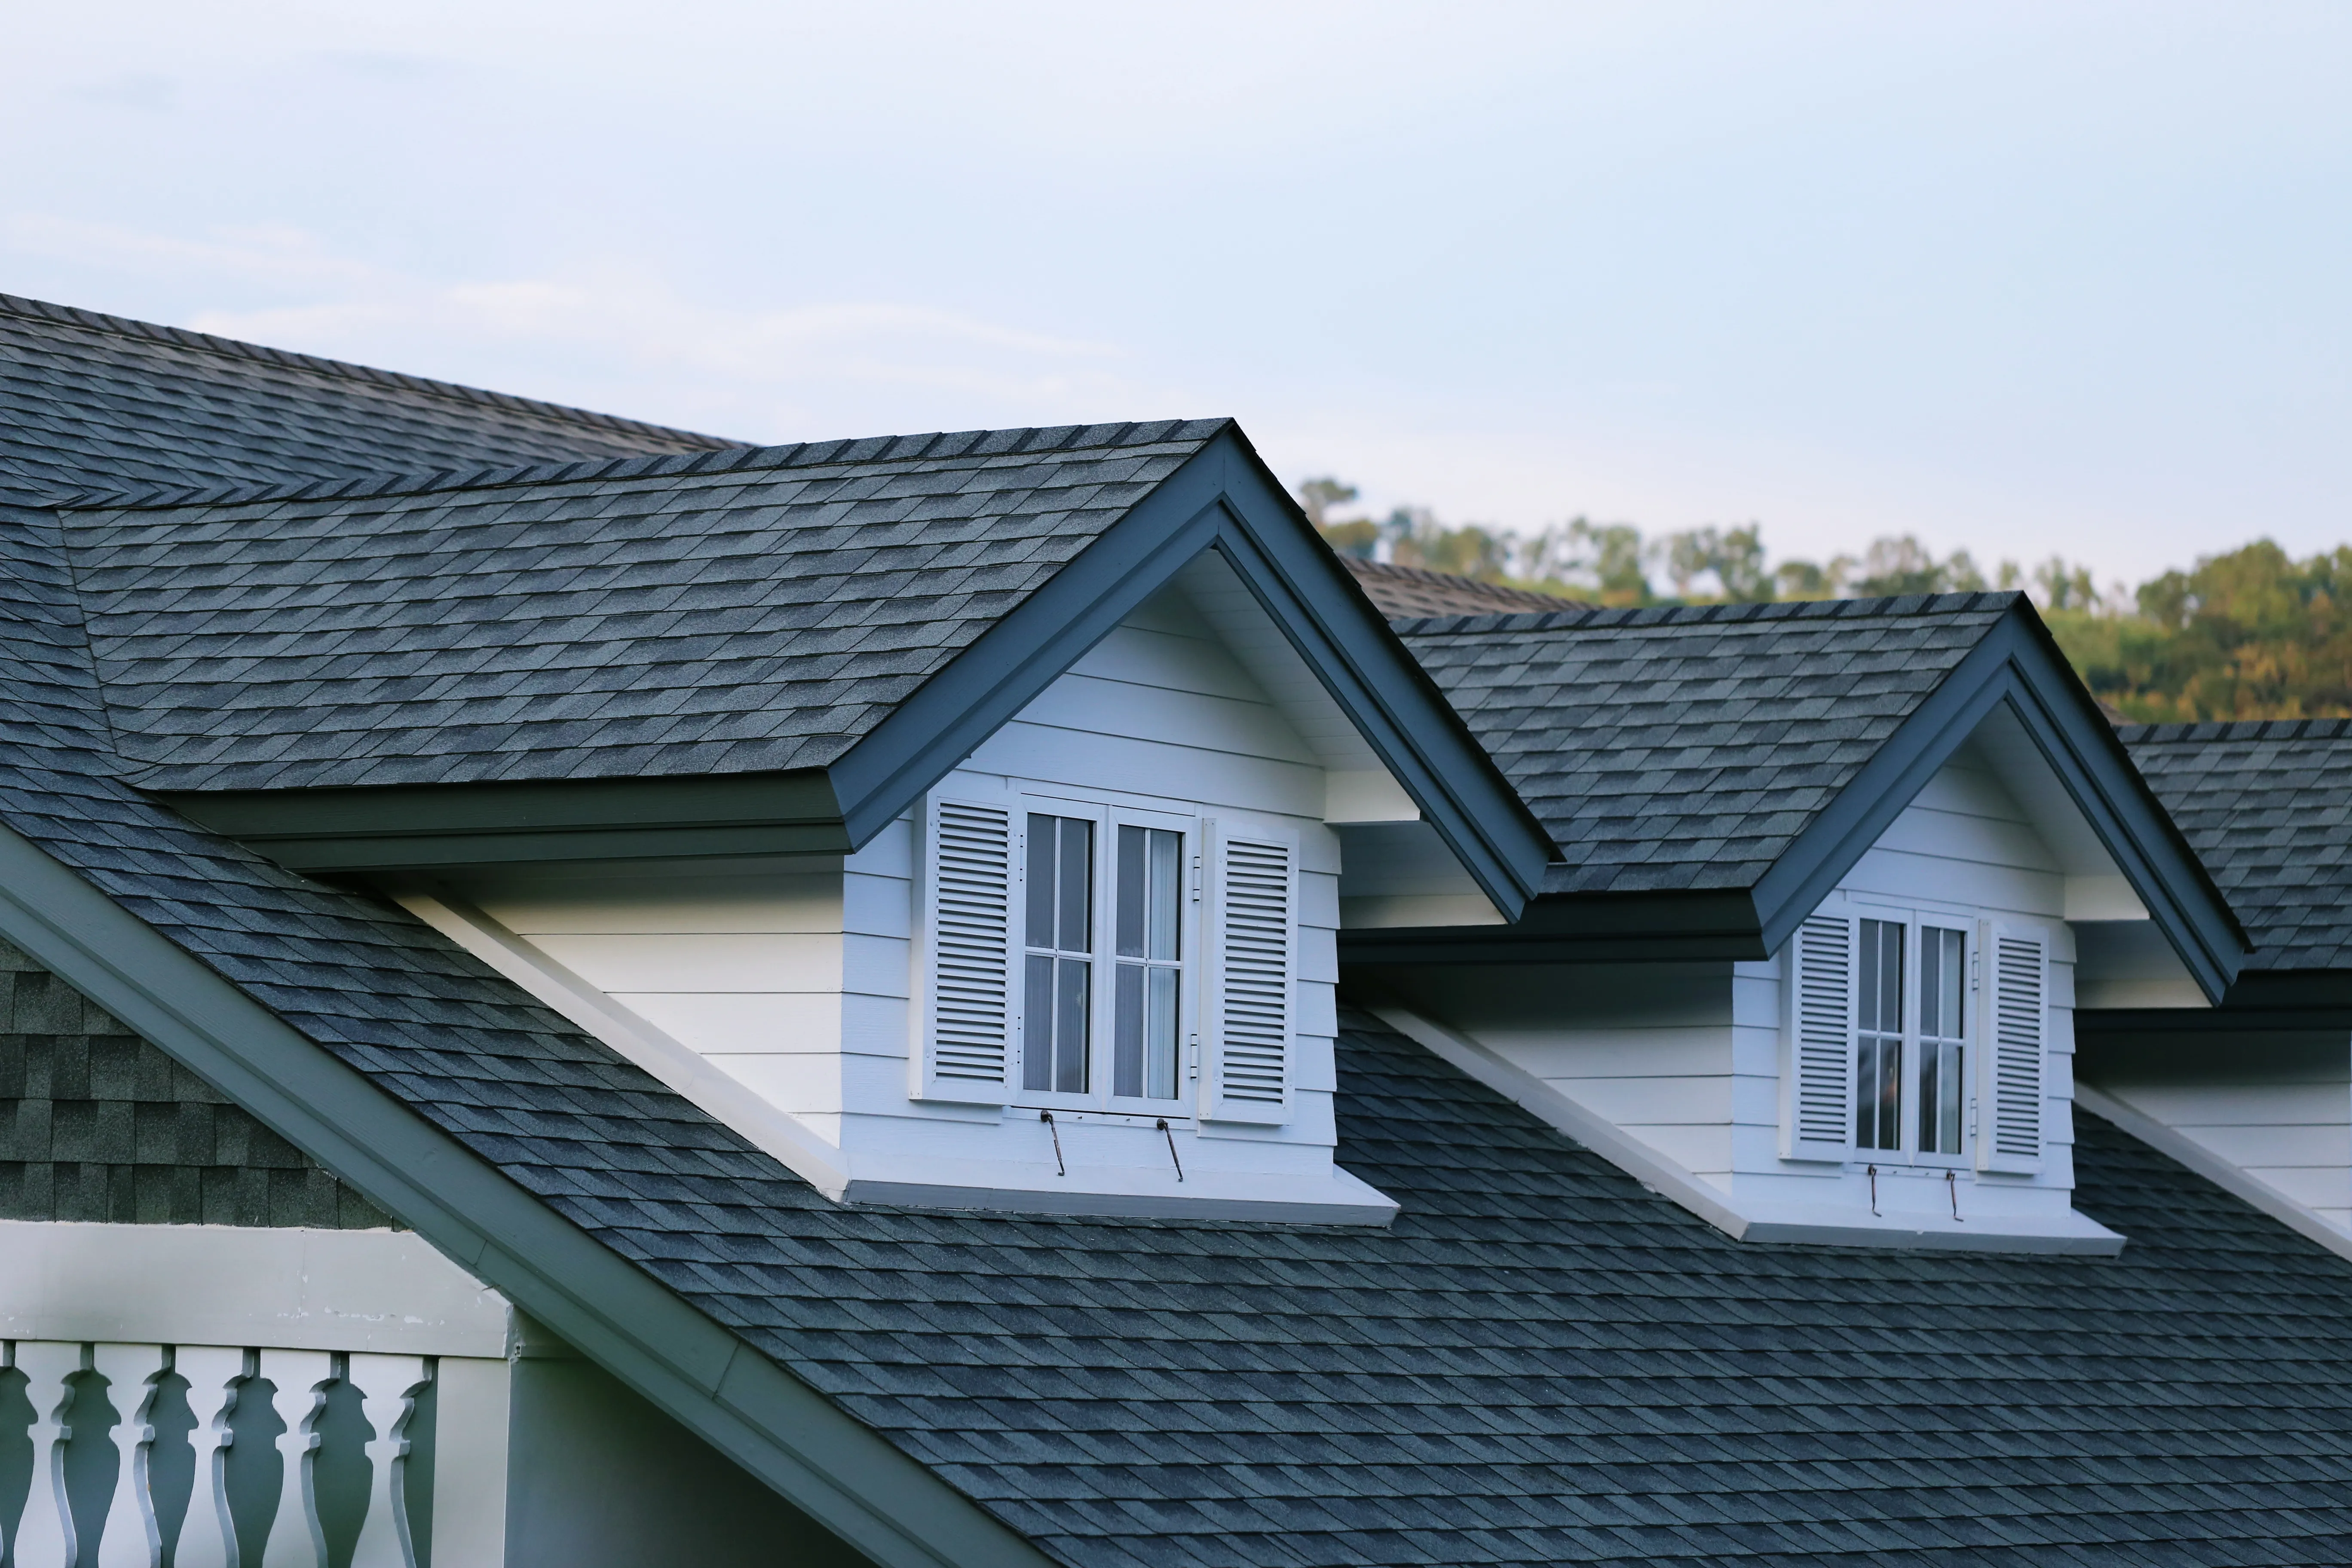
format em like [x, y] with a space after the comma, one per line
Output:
[422, 827]
[840, 1473]
[2016, 666]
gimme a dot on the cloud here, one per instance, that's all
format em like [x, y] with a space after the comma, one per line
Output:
[615, 336]
[136, 90]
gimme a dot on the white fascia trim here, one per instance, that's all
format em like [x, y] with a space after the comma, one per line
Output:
[1334, 1197]
[288, 1287]
[713, 1089]
[2235, 1180]
[1781, 1222]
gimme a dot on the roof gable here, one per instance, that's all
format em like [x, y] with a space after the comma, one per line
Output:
[1711, 773]
[94, 400]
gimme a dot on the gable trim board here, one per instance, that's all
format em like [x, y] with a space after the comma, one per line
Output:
[2230, 1177]
[2014, 664]
[2077, 1234]
[840, 1473]
[1221, 499]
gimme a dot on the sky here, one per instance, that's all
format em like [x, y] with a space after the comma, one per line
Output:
[2050, 278]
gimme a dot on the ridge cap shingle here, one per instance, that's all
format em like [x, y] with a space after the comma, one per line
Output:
[844, 451]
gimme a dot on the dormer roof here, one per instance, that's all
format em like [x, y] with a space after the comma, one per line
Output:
[1711, 772]
[748, 650]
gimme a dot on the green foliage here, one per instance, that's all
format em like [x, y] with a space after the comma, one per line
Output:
[2252, 633]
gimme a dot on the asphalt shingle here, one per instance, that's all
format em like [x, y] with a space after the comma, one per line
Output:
[1687, 748]
[2267, 805]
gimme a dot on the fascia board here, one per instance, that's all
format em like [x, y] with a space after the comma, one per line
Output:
[1580, 928]
[841, 1473]
[2014, 666]
[430, 826]
[1221, 499]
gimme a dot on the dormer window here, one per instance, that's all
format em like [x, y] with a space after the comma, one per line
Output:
[1880, 1065]
[1911, 1093]
[1063, 1007]
[1153, 980]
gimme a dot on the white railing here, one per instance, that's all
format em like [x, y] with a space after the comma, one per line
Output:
[245, 1513]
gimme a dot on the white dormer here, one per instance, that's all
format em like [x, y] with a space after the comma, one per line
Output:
[1093, 970]
[1899, 1071]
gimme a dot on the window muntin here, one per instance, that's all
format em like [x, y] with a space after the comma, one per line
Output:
[1943, 1041]
[1148, 973]
[1878, 1038]
[1057, 996]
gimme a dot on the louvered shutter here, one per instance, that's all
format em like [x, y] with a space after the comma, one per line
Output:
[969, 1008]
[1817, 1082]
[1252, 946]
[2015, 1035]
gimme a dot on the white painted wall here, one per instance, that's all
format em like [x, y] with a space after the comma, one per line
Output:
[2277, 1105]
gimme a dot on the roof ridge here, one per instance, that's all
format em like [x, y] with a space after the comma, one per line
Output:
[131, 326]
[1007, 442]
[1702, 615]
[2235, 730]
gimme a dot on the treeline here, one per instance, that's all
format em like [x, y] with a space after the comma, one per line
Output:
[2252, 633]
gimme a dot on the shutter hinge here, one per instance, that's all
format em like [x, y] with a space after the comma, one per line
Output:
[1196, 878]
[1976, 969]
[1192, 1055]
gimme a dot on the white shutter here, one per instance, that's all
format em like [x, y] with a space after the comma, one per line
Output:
[1252, 946]
[2015, 1031]
[1817, 1079]
[970, 1009]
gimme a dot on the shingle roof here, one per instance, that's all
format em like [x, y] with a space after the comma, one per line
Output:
[1408, 593]
[2268, 807]
[726, 612]
[91, 399]
[1540, 1362]
[1687, 748]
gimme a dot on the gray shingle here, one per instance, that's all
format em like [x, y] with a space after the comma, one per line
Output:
[617, 619]
[1686, 749]
[2267, 805]
[91, 399]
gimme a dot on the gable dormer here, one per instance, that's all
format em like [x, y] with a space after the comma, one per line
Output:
[1834, 877]
[965, 820]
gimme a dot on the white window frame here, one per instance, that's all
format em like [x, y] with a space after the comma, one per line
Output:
[1110, 816]
[1977, 929]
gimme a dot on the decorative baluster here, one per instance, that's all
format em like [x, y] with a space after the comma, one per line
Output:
[129, 1539]
[388, 1386]
[206, 1538]
[44, 1531]
[298, 1376]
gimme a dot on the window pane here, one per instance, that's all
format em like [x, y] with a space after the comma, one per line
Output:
[1931, 1084]
[1040, 881]
[1942, 988]
[1160, 1038]
[1131, 893]
[1076, 881]
[1071, 977]
[1949, 1133]
[1038, 1023]
[1126, 1014]
[1167, 901]
[1881, 1009]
